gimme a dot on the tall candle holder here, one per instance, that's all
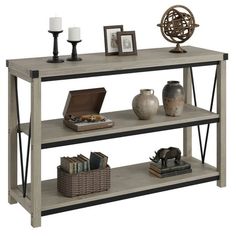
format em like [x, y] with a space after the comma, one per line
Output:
[55, 58]
[74, 55]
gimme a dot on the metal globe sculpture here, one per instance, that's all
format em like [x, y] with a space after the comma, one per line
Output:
[177, 26]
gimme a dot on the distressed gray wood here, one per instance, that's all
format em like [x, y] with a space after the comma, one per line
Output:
[12, 138]
[25, 202]
[187, 132]
[36, 153]
[19, 74]
[55, 130]
[125, 180]
[98, 62]
[221, 126]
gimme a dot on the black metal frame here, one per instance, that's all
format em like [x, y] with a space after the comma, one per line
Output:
[203, 151]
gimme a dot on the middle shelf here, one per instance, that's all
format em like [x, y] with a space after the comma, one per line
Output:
[55, 133]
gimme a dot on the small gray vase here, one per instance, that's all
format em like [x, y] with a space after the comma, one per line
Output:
[145, 104]
[173, 98]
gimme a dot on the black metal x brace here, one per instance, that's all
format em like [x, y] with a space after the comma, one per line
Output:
[24, 174]
[203, 151]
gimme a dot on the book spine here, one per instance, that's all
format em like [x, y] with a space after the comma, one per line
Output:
[69, 165]
[160, 170]
[64, 164]
[155, 173]
[104, 160]
[94, 161]
[85, 162]
[80, 166]
[170, 173]
[73, 165]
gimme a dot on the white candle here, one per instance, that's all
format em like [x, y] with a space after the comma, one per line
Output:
[74, 34]
[55, 24]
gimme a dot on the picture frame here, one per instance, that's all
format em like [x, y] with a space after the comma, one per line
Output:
[110, 39]
[126, 43]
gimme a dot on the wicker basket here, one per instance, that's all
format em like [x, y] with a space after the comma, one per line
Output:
[71, 185]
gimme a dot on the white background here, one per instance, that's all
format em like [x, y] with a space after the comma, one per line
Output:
[197, 210]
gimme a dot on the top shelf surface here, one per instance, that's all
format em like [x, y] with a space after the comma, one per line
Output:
[96, 64]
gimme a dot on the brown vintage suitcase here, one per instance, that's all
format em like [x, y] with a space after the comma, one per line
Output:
[82, 108]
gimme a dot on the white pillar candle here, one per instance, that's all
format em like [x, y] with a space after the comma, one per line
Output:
[74, 34]
[55, 24]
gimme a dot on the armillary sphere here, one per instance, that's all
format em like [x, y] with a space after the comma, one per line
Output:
[177, 26]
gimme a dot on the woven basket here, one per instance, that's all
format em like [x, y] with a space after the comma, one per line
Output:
[71, 185]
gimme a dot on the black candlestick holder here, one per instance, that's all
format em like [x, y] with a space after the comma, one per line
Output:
[55, 58]
[74, 55]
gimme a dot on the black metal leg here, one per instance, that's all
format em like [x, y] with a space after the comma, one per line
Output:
[27, 160]
[211, 107]
[203, 151]
[195, 104]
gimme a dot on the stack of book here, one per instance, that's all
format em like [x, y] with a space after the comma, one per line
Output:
[172, 169]
[98, 160]
[76, 164]
[79, 163]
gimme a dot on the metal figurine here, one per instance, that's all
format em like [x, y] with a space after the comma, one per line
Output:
[177, 26]
[164, 154]
[74, 55]
[55, 58]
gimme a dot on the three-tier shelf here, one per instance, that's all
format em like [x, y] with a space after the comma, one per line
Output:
[41, 198]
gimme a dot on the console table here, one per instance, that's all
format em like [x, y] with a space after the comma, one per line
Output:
[41, 198]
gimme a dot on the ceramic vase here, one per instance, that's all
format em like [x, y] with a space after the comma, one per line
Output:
[145, 104]
[173, 98]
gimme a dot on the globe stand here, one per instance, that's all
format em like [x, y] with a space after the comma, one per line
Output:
[177, 26]
[178, 49]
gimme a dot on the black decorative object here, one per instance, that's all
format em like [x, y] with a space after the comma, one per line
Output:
[170, 165]
[55, 58]
[74, 55]
[164, 154]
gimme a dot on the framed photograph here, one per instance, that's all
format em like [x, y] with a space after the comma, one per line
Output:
[110, 38]
[126, 43]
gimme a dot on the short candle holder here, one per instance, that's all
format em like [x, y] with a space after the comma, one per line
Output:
[55, 58]
[74, 55]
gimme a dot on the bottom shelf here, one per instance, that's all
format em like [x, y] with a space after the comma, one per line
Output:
[126, 182]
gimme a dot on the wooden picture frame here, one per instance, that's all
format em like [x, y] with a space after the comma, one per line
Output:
[110, 39]
[126, 43]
